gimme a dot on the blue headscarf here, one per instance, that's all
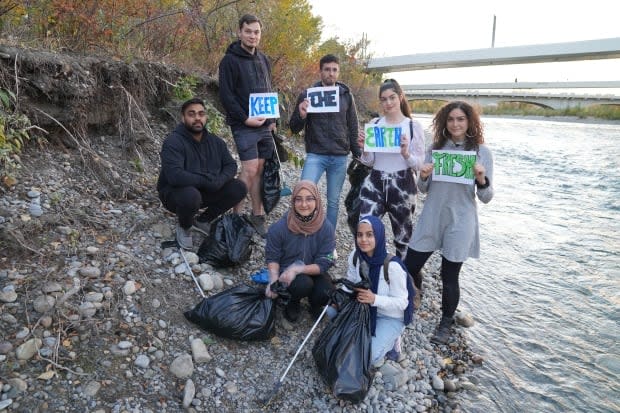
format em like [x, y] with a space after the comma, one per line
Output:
[374, 268]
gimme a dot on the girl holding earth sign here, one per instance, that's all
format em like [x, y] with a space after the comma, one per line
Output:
[390, 186]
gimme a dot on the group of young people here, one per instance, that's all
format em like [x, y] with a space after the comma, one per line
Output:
[199, 173]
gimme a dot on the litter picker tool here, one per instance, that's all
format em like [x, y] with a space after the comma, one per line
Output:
[189, 268]
[278, 385]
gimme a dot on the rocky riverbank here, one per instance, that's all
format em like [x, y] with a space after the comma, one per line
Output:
[91, 306]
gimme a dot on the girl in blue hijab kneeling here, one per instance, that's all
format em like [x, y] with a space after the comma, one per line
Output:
[391, 309]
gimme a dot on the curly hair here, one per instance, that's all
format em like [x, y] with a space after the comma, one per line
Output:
[474, 135]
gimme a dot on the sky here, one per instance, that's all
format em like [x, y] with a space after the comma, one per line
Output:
[402, 27]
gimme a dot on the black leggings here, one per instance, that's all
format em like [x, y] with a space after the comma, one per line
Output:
[315, 287]
[185, 201]
[451, 293]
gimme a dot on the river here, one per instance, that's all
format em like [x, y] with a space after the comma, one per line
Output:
[545, 292]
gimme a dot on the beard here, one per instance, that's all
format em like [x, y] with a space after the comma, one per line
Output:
[195, 127]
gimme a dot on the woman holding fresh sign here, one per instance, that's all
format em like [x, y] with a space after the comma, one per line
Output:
[393, 145]
[458, 168]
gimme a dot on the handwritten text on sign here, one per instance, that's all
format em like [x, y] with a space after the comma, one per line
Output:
[382, 138]
[454, 166]
[323, 99]
[264, 105]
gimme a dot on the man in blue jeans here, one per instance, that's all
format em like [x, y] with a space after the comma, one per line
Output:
[329, 137]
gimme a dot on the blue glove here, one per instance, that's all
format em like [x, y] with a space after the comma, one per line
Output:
[261, 277]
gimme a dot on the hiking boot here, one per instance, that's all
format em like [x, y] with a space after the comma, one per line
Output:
[292, 311]
[202, 226]
[258, 222]
[442, 333]
[184, 238]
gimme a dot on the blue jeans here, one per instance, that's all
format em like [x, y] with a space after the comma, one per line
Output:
[387, 331]
[335, 168]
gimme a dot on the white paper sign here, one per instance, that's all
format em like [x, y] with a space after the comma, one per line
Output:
[323, 99]
[264, 105]
[454, 166]
[382, 138]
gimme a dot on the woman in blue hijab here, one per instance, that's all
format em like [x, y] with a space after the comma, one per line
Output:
[390, 299]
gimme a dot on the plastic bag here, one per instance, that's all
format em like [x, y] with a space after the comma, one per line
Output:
[229, 242]
[357, 172]
[278, 140]
[241, 313]
[271, 183]
[342, 352]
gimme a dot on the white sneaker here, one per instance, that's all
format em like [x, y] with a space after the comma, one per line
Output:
[335, 254]
[184, 238]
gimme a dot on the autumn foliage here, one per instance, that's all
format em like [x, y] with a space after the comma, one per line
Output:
[192, 34]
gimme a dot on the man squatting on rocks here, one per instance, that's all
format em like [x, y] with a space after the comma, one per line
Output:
[242, 71]
[197, 171]
[328, 136]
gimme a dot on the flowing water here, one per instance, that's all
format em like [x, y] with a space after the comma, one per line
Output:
[546, 291]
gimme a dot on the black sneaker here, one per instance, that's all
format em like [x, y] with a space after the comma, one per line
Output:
[292, 311]
[442, 333]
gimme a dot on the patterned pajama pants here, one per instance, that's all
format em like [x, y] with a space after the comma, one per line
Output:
[393, 193]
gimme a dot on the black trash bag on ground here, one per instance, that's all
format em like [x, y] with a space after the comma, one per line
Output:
[342, 351]
[271, 183]
[229, 242]
[357, 172]
[241, 313]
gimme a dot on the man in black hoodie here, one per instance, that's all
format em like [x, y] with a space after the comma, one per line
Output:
[245, 70]
[197, 171]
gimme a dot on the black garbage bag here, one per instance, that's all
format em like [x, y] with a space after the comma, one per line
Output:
[357, 172]
[271, 183]
[242, 313]
[279, 142]
[342, 351]
[229, 242]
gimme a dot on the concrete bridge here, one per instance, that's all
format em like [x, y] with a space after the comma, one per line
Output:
[524, 92]
[537, 53]
[487, 94]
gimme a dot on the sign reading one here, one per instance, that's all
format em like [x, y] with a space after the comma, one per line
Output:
[454, 166]
[264, 105]
[323, 99]
[382, 138]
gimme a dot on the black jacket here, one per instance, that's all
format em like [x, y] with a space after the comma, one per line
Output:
[332, 133]
[242, 73]
[206, 165]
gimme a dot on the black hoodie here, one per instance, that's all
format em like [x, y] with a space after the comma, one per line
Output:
[242, 73]
[206, 165]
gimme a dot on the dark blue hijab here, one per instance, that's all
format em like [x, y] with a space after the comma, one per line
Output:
[374, 268]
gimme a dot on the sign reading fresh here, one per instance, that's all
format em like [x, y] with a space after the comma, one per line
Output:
[264, 105]
[454, 166]
[382, 138]
[323, 99]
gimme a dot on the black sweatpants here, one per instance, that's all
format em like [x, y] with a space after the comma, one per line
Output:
[186, 201]
[451, 293]
[315, 287]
